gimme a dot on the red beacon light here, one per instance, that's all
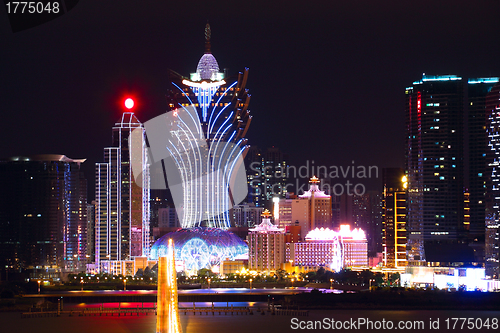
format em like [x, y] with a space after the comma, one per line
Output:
[129, 103]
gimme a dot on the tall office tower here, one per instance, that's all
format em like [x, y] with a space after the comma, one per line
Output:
[367, 215]
[266, 247]
[346, 209]
[253, 164]
[209, 141]
[335, 210]
[492, 237]
[266, 176]
[394, 217]
[159, 198]
[275, 176]
[434, 162]
[122, 201]
[90, 232]
[43, 208]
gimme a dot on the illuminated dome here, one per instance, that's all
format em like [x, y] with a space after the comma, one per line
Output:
[201, 247]
[208, 68]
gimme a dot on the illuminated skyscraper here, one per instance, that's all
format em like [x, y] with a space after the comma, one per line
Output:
[440, 110]
[209, 120]
[122, 202]
[434, 111]
[43, 213]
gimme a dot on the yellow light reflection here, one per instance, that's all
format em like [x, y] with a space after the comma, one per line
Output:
[167, 320]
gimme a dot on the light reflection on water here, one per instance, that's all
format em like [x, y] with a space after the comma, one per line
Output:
[134, 305]
[12, 323]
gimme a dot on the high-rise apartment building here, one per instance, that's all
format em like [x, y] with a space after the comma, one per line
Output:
[122, 200]
[394, 217]
[43, 213]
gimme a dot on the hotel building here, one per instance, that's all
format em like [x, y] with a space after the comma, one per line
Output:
[313, 209]
[266, 245]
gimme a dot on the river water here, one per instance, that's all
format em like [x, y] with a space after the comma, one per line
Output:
[317, 321]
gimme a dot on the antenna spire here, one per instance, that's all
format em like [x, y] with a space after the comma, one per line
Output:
[208, 34]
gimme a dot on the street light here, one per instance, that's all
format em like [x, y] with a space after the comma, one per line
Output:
[208, 283]
[81, 281]
[331, 283]
[371, 283]
[124, 284]
[38, 287]
[292, 283]
[251, 283]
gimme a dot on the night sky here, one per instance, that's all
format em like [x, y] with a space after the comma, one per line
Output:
[327, 78]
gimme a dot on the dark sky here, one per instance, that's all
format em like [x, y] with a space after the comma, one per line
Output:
[327, 78]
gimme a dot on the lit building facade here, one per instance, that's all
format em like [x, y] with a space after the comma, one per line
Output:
[330, 249]
[210, 121]
[492, 234]
[122, 201]
[43, 213]
[434, 113]
[394, 218]
[266, 246]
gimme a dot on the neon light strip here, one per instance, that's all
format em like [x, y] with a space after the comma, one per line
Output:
[218, 101]
[203, 84]
[215, 151]
[221, 181]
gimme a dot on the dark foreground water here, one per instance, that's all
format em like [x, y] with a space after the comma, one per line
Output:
[317, 321]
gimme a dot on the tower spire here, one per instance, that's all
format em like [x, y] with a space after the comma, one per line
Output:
[208, 34]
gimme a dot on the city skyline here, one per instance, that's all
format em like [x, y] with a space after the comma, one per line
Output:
[76, 74]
